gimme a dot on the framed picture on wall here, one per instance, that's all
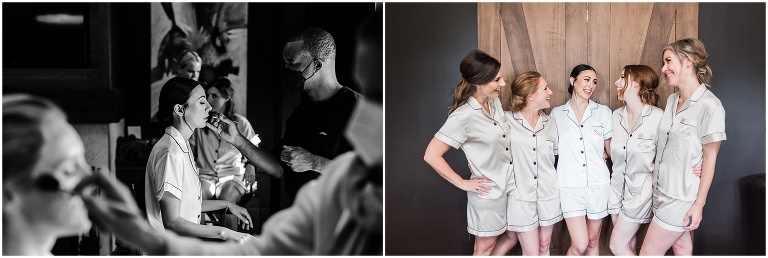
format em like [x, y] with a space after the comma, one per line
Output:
[216, 32]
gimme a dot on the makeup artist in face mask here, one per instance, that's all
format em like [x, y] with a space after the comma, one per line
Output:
[314, 131]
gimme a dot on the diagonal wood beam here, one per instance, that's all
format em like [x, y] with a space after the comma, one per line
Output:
[518, 40]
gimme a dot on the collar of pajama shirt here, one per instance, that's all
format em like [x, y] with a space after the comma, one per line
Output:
[682, 134]
[581, 145]
[483, 138]
[534, 149]
[171, 169]
[634, 149]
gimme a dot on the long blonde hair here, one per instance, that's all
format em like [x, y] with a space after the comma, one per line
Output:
[694, 50]
[476, 68]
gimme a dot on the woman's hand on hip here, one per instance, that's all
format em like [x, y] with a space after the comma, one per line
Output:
[480, 186]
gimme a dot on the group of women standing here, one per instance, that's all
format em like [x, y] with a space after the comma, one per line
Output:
[531, 170]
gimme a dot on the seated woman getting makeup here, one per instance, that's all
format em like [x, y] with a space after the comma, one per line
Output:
[173, 192]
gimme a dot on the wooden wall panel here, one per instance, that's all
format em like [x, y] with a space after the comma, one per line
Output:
[489, 29]
[576, 37]
[508, 73]
[687, 15]
[659, 35]
[552, 38]
[546, 27]
[518, 40]
[598, 43]
[627, 35]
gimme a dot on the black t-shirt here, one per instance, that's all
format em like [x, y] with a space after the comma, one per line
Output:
[318, 127]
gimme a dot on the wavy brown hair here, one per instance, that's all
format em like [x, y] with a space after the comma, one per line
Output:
[476, 68]
[646, 78]
[524, 85]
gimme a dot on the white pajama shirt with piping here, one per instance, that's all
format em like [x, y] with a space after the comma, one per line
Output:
[583, 175]
[171, 168]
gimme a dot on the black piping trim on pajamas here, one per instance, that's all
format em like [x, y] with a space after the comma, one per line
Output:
[474, 229]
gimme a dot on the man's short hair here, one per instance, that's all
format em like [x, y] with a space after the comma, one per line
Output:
[317, 42]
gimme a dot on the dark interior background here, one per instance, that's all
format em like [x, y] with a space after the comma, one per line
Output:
[425, 43]
[270, 25]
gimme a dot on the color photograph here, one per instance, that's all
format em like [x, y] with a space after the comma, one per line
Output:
[575, 128]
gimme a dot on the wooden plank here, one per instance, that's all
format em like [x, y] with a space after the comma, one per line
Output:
[508, 72]
[659, 33]
[687, 21]
[576, 51]
[489, 29]
[629, 24]
[517, 37]
[598, 20]
[546, 28]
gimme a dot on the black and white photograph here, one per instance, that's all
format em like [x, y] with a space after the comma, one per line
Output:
[180, 128]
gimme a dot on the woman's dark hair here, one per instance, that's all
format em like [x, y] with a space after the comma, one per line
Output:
[476, 68]
[175, 91]
[224, 86]
[575, 73]
[23, 138]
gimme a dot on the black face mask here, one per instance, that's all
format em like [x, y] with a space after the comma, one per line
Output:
[294, 80]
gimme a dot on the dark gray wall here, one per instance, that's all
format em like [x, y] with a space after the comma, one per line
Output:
[734, 35]
[425, 43]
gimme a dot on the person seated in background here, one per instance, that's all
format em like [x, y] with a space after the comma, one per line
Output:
[172, 186]
[187, 64]
[224, 173]
[40, 146]
[341, 213]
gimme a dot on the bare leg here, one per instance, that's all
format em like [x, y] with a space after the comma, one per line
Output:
[658, 240]
[593, 228]
[621, 237]
[504, 243]
[545, 238]
[529, 241]
[484, 245]
[577, 228]
[684, 245]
